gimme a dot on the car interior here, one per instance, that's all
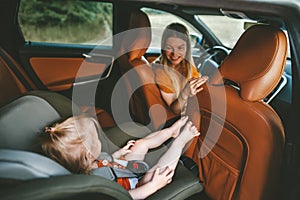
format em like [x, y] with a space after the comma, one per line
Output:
[245, 103]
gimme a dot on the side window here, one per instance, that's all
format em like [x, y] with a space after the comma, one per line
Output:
[160, 19]
[67, 22]
[223, 26]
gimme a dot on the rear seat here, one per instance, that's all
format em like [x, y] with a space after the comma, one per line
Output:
[22, 121]
[23, 115]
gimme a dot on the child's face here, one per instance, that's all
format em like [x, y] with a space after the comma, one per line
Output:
[175, 49]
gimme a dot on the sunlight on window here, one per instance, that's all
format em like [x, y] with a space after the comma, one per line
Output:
[228, 30]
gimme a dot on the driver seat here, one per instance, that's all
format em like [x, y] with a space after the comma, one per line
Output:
[240, 149]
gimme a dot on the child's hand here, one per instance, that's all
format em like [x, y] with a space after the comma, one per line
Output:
[129, 144]
[161, 179]
[125, 150]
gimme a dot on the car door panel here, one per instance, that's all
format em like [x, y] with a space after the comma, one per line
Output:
[59, 74]
[56, 68]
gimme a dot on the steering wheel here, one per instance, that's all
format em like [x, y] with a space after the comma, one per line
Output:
[211, 58]
[218, 53]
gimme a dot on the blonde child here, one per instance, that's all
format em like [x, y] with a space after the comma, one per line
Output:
[74, 143]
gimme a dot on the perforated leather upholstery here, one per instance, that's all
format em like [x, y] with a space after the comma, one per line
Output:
[240, 150]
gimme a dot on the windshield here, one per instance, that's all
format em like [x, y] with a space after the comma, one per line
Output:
[227, 30]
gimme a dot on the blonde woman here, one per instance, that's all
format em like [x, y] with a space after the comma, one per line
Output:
[175, 72]
[75, 144]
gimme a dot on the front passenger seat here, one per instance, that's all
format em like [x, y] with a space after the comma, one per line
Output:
[146, 104]
[240, 149]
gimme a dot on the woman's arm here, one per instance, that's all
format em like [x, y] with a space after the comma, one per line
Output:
[176, 104]
[191, 88]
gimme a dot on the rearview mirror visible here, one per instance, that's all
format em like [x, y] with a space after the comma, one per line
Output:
[196, 40]
[249, 24]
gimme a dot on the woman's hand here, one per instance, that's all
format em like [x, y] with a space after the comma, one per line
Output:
[193, 86]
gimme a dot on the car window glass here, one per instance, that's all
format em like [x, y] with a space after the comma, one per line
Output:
[68, 22]
[160, 19]
[227, 29]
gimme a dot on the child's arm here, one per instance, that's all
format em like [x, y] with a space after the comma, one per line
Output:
[158, 181]
[124, 150]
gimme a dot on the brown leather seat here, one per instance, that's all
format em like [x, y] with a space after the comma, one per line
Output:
[146, 105]
[240, 149]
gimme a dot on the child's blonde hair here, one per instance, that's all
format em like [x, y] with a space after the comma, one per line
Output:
[74, 143]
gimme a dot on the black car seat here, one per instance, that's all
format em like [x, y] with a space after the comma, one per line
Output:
[26, 165]
[25, 173]
[22, 119]
[240, 149]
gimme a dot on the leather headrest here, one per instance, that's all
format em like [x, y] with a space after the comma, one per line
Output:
[138, 37]
[256, 62]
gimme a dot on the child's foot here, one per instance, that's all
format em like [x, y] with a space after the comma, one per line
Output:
[189, 132]
[175, 128]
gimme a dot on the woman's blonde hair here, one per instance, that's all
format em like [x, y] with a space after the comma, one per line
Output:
[177, 30]
[72, 143]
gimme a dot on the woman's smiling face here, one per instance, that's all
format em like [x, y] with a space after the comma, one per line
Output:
[175, 49]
